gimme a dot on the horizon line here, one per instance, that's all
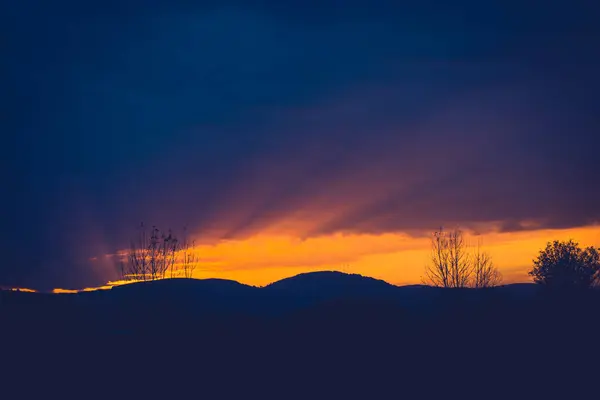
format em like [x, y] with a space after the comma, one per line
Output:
[111, 284]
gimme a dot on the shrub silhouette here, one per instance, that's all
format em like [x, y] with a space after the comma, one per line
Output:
[565, 265]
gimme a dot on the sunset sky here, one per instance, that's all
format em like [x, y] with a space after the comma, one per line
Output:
[292, 136]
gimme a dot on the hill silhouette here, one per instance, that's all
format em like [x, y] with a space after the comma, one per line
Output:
[333, 283]
[222, 296]
[195, 293]
[312, 288]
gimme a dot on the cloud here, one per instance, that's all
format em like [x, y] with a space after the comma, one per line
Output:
[239, 120]
[462, 163]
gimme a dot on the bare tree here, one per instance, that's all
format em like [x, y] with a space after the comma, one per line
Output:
[189, 258]
[438, 273]
[150, 256]
[171, 246]
[485, 273]
[154, 253]
[453, 266]
[138, 258]
[450, 265]
[168, 248]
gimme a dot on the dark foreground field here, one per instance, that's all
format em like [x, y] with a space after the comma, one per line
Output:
[322, 335]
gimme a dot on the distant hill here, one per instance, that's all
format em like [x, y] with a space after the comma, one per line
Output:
[196, 299]
[519, 289]
[199, 296]
[226, 295]
[330, 284]
[183, 286]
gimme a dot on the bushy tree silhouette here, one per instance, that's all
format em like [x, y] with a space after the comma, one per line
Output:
[565, 265]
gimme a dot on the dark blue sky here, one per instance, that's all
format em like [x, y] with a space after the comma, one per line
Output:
[229, 116]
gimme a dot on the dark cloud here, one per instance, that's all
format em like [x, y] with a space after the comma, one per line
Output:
[232, 116]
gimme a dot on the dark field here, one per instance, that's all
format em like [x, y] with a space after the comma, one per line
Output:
[321, 335]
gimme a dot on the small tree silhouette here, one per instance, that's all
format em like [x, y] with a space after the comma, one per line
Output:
[151, 256]
[485, 274]
[564, 265]
[450, 266]
[189, 258]
[453, 266]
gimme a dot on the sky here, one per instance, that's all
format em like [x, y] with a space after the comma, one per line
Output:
[290, 136]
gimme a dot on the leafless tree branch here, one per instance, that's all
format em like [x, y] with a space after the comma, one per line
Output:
[452, 265]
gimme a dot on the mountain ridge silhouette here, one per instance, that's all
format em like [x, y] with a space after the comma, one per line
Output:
[222, 296]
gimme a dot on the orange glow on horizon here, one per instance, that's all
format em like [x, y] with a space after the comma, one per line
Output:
[64, 291]
[107, 286]
[394, 257]
[26, 290]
